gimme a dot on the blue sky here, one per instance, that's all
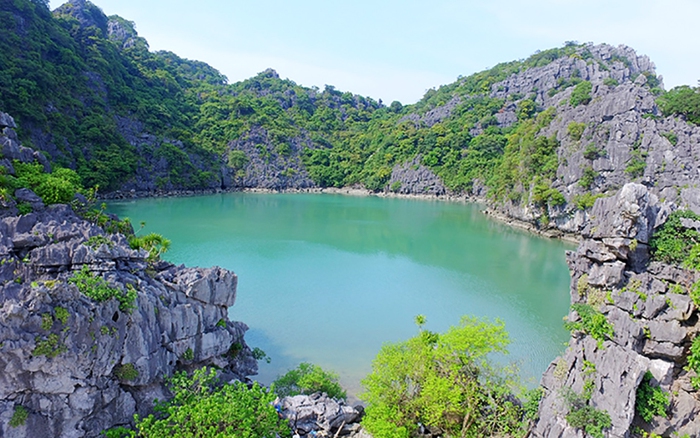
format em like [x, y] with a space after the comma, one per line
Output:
[396, 50]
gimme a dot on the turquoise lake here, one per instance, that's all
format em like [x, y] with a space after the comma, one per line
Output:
[328, 278]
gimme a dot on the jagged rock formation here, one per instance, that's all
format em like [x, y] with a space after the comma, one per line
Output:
[319, 414]
[620, 127]
[416, 179]
[653, 320]
[78, 366]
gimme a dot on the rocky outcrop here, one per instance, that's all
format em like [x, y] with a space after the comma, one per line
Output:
[268, 164]
[79, 364]
[318, 414]
[414, 178]
[653, 322]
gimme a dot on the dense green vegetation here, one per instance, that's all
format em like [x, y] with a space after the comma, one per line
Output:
[651, 400]
[343, 139]
[592, 322]
[682, 100]
[57, 187]
[673, 243]
[200, 407]
[444, 381]
[99, 290]
[308, 379]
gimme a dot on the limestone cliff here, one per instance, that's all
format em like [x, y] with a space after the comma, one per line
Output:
[77, 366]
[652, 320]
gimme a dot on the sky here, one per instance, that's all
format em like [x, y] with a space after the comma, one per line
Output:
[398, 49]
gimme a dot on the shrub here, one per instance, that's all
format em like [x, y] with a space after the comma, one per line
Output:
[682, 100]
[19, 416]
[588, 177]
[61, 314]
[154, 243]
[592, 152]
[307, 379]
[585, 200]
[611, 82]
[584, 416]
[201, 408]
[671, 137]
[581, 94]
[49, 347]
[694, 362]
[126, 372]
[592, 323]
[651, 400]
[672, 242]
[99, 290]
[443, 381]
[575, 130]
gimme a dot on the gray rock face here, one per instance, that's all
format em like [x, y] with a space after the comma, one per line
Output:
[270, 165]
[319, 414]
[653, 319]
[414, 178]
[79, 366]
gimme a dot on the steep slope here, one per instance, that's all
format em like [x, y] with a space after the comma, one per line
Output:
[89, 326]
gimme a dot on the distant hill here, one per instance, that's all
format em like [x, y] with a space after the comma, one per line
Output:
[541, 137]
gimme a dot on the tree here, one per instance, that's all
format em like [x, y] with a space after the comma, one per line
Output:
[682, 100]
[201, 408]
[307, 379]
[443, 381]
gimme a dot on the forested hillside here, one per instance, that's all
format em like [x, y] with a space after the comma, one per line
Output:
[541, 137]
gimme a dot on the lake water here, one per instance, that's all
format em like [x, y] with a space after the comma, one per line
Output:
[328, 278]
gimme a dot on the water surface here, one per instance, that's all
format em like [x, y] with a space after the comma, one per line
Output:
[329, 278]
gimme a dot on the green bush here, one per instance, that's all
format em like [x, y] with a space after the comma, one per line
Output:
[671, 137]
[592, 152]
[611, 82]
[201, 408]
[585, 200]
[672, 242]
[694, 362]
[126, 372]
[154, 243]
[651, 400]
[99, 290]
[592, 323]
[307, 379]
[19, 416]
[588, 177]
[581, 94]
[682, 100]
[61, 314]
[49, 347]
[575, 130]
[443, 381]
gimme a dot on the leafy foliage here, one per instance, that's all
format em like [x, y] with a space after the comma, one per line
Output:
[19, 416]
[586, 417]
[444, 381]
[683, 101]
[581, 94]
[672, 242]
[651, 400]
[98, 289]
[694, 362]
[307, 379]
[575, 130]
[592, 322]
[49, 347]
[58, 187]
[154, 243]
[201, 408]
[126, 372]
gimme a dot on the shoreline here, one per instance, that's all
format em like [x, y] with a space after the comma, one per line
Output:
[358, 192]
